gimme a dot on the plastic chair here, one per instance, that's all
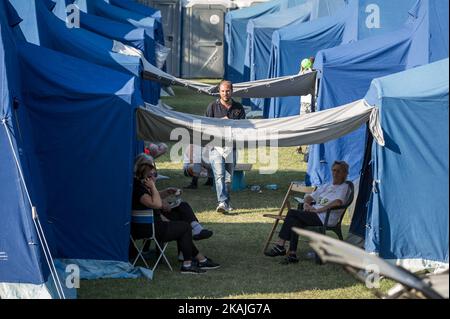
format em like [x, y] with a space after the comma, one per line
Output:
[147, 217]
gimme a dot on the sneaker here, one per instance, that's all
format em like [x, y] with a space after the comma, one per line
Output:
[204, 234]
[222, 208]
[208, 264]
[290, 259]
[276, 251]
[192, 270]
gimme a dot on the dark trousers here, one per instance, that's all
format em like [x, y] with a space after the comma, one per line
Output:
[182, 212]
[300, 219]
[178, 228]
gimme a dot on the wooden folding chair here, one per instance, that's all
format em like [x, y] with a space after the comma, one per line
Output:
[294, 188]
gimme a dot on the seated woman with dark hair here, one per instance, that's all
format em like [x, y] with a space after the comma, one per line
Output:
[170, 224]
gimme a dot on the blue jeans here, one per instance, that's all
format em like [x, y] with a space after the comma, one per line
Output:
[223, 172]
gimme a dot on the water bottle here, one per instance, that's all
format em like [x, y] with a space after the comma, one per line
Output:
[272, 187]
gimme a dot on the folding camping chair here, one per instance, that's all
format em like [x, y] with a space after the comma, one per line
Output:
[294, 187]
[146, 217]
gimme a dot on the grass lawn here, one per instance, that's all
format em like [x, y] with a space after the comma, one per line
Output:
[237, 242]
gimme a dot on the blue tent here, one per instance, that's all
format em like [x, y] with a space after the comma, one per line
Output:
[20, 261]
[43, 28]
[51, 160]
[137, 7]
[125, 33]
[153, 26]
[408, 217]
[235, 33]
[291, 44]
[345, 74]
[259, 39]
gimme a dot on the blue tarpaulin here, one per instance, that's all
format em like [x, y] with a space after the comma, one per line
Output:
[408, 217]
[357, 20]
[235, 34]
[345, 74]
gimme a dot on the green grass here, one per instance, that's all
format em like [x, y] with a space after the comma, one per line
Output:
[237, 242]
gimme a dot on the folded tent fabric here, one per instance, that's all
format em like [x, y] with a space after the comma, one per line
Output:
[157, 123]
[283, 86]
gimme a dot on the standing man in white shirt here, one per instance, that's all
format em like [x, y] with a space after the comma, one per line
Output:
[314, 212]
[223, 159]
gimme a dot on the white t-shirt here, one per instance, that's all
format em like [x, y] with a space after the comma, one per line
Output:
[326, 194]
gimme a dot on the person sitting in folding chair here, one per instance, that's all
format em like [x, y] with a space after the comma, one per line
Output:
[314, 212]
[145, 196]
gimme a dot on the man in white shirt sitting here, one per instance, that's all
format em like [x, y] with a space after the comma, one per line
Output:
[314, 212]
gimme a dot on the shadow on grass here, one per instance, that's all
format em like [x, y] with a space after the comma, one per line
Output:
[245, 273]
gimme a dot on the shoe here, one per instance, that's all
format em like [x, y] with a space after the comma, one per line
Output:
[222, 208]
[204, 234]
[208, 264]
[276, 251]
[191, 186]
[290, 259]
[192, 270]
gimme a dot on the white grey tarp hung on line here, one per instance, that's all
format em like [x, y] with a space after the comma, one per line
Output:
[291, 85]
[158, 124]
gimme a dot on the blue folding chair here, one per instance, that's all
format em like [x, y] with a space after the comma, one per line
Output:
[147, 217]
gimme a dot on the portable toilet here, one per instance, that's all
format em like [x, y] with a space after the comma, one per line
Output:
[203, 38]
[171, 19]
[247, 3]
